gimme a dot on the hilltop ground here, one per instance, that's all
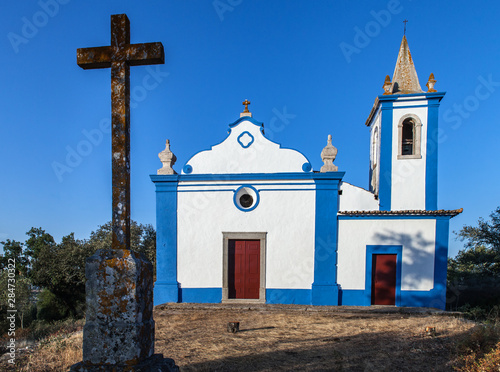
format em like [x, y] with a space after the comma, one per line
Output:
[287, 338]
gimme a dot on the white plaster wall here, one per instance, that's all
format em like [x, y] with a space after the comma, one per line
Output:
[286, 216]
[262, 156]
[417, 236]
[408, 175]
[355, 198]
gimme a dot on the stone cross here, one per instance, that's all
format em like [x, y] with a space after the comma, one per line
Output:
[120, 55]
[119, 328]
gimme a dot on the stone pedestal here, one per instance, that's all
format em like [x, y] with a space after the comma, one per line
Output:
[119, 329]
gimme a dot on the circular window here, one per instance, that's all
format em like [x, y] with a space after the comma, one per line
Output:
[246, 198]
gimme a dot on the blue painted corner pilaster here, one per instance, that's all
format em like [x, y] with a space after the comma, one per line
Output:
[166, 287]
[385, 181]
[325, 290]
[327, 295]
[166, 292]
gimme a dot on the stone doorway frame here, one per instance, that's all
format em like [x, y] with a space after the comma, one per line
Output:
[226, 236]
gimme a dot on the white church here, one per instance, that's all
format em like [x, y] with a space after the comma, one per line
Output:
[250, 221]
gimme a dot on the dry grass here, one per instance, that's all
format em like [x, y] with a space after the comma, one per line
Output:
[284, 339]
[306, 340]
[55, 354]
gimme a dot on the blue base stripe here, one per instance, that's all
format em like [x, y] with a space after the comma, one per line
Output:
[201, 295]
[288, 296]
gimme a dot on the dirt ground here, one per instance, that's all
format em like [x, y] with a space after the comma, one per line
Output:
[282, 338]
[298, 338]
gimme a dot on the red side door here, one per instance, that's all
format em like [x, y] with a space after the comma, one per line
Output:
[384, 279]
[244, 269]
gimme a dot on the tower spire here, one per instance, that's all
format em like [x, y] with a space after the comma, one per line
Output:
[405, 79]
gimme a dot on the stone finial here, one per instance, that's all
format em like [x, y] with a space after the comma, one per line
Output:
[387, 85]
[328, 155]
[246, 112]
[168, 159]
[430, 84]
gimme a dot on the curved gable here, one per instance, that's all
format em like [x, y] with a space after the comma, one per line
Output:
[247, 150]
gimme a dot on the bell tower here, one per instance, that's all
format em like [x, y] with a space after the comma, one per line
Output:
[403, 139]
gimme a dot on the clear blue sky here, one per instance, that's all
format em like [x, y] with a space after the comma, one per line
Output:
[284, 56]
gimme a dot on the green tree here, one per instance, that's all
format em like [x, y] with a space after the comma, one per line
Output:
[486, 233]
[474, 274]
[60, 268]
[14, 250]
[142, 239]
[38, 240]
[18, 289]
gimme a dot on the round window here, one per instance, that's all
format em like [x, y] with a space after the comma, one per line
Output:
[246, 200]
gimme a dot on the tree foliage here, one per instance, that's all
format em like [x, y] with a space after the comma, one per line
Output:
[14, 250]
[481, 257]
[474, 274]
[59, 268]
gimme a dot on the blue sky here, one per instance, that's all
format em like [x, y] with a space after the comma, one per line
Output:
[288, 58]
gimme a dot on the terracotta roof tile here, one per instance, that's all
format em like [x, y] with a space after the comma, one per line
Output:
[440, 212]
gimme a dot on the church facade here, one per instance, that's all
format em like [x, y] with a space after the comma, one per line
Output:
[251, 221]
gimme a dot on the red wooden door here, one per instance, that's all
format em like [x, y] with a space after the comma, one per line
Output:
[244, 269]
[384, 279]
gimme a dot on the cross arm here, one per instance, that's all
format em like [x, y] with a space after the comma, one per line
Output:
[134, 54]
[145, 54]
[98, 57]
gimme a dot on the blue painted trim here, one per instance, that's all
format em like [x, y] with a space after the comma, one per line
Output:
[410, 106]
[307, 167]
[441, 262]
[356, 297]
[394, 97]
[246, 118]
[166, 288]
[248, 176]
[201, 295]
[325, 289]
[254, 184]
[389, 217]
[249, 143]
[352, 297]
[260, 190]
[235, 201]
[288, 296]
[382, 249]
[385, 181]
[187, 169]
[222, 190]
[431, 162]
[255, 122]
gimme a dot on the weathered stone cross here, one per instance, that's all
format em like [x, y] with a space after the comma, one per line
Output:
[120, 56]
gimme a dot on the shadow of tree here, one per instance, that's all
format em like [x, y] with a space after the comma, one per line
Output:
[379, 352]
[418, 257]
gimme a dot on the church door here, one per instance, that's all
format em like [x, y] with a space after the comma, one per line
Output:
[244, 269]
[384, 279]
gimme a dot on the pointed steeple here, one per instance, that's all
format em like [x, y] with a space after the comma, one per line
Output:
[405, 79]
